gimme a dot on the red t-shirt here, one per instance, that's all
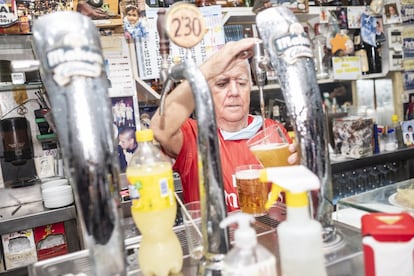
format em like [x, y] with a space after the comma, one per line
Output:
[233, 153]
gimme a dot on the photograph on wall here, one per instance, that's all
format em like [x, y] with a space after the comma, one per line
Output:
[407, 12]
[392, 12]
[354, 16]
[124, 128]
[409, 108]
[342, 18]
[134, 19]
[408, 80]
[408, 132]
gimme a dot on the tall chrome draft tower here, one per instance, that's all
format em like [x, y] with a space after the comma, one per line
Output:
[291, 54]
[68, 47]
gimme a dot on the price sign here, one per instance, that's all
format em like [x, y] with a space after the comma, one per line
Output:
[185, 24]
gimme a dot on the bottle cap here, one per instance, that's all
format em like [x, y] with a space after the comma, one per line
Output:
[245, 235]
[145, 135]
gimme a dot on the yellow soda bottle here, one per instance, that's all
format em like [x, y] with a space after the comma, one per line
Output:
[151, 186]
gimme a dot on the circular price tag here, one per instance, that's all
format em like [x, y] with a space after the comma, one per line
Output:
[185, 25]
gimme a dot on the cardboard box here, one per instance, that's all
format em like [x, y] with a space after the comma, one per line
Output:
[353, 136]
[50, 240]
[19, 249]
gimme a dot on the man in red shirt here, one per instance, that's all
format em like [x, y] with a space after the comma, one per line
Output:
[229, 80]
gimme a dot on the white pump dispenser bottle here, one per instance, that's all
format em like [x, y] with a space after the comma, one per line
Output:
[247, 257]
[299, 236]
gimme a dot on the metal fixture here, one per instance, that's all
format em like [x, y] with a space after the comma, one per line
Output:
[216, 240]
[72, 70]
[291, 55]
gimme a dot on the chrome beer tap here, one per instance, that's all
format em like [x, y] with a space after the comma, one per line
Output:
[165, 80]
[72, 70]
[259, 66]
[216, 241]
[291, 55]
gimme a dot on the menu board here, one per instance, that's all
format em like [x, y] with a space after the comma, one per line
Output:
[147, 48]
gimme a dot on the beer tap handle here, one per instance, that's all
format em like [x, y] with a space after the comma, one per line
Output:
[260, 64]
[164, 44]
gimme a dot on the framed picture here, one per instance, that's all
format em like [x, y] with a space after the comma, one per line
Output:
[392, 12]
[134, 19]
[124, 128]
[408, 132]
[409, 108]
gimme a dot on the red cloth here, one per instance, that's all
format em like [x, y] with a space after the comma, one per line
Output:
[233, 153]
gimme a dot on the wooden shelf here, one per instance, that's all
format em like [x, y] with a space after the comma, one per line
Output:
[108, 23]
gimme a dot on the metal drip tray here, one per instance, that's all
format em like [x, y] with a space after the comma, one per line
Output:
[78, 262]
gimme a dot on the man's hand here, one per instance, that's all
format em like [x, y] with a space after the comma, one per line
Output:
[293, 159]
[233, 51]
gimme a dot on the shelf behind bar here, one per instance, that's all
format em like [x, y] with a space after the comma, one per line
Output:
[404, 154]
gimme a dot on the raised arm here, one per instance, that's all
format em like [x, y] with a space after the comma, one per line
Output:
[179, 104]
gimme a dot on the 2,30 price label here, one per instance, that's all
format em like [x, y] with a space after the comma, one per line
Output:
[185, 25]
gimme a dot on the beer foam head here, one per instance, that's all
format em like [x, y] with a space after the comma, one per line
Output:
[248, 174]
[271, 146]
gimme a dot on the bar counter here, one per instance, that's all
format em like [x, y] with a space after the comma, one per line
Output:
[22, 208]
[341, 260]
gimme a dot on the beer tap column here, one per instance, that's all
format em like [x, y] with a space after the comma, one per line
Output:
[216, 241]
[72, 70]
[290, 53]
[259, 66]
[165, 79]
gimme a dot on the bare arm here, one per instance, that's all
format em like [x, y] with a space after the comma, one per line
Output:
[179, 104]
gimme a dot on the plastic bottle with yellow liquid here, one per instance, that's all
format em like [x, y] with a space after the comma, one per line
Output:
[151, 186]
[299, 236]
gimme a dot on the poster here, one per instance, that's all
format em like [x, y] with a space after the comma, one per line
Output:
[354, 16]
[408, 53]
[124, 128]
[122, 93]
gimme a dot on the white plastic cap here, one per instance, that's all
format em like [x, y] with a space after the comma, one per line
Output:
[245, 235]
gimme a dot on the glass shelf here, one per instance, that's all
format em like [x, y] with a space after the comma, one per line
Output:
[11, 87]
[378, 200]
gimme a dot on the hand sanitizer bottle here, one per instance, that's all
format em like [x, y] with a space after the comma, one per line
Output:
[299, 236]
[247, 257]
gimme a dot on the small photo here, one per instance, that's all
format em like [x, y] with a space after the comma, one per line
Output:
[391, 13]
[354, 16]
[134, 19]
[408, 132]
[409, 108]
[342, 18]
[409, 81]
[124, 129]
[123, 111]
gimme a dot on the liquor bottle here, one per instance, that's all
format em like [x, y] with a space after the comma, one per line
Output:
[374, 57]
[359, 50]
[319, 52]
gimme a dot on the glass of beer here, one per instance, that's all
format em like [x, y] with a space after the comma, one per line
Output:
[270, 146]
[252, 193]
